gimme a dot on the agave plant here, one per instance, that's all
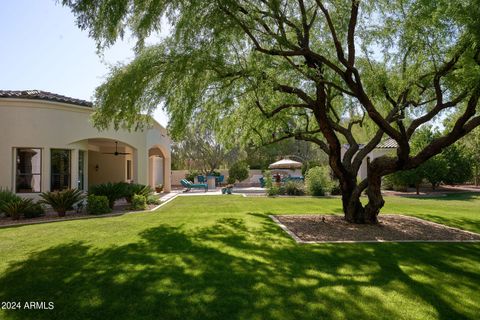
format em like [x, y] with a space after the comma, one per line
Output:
[137, 189]
[62, 201]
[6, 196]
[113, 191]
[16, 206]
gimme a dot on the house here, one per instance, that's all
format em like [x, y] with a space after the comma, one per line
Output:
[387, 146]
[48, 143]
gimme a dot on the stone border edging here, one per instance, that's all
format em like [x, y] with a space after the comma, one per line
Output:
[300, 241]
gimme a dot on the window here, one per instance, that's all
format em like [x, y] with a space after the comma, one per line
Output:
[81, 170]
[60, 169]
[129, 169]
[28, 164]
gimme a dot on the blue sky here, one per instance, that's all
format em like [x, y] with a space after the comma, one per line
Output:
[42, 48]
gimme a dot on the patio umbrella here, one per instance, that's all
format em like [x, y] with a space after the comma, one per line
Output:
[285, 164]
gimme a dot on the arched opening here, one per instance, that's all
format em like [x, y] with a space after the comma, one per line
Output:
[102, 160]
[158, 168]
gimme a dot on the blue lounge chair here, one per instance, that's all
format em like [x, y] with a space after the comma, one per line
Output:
[189, 186]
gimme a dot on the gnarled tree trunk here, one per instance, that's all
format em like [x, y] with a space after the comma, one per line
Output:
[353, 209]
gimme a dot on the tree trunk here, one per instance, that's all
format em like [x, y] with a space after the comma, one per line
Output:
[417, 188]
[353, 208]
[375, 199]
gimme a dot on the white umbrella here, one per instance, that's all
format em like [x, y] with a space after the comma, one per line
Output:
[285, 164]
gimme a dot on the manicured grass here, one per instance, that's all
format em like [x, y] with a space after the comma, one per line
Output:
[223, 258]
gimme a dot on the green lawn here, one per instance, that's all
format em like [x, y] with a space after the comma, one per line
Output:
[223, 258]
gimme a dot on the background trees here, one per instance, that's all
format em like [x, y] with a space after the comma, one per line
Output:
[316, 71]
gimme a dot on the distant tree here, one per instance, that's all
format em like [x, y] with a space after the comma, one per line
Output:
[200, 150]
[313, 70]
[239, 171]
[459, 164]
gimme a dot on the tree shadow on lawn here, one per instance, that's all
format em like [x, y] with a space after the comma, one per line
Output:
[230, 270]
[460, 196]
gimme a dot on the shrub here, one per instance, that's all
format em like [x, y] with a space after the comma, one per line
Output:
[153, 199]
[139, 202]
[318, 181]
[6, 196]
[294, 188]
[113, 191]
[336, 190]
[16, 207]
[98, 204]
[62, 201]
[190, 176]
[231, 180]
[239, 171]
[275, 190]
[131, 189]
[34, 211]
[267, 175]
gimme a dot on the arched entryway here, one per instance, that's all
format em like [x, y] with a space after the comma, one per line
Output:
[159, 168]
[111, 161]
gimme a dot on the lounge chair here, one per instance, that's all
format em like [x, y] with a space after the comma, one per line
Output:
[189, 186]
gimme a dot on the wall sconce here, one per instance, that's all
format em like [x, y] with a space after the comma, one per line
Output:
[97, 167]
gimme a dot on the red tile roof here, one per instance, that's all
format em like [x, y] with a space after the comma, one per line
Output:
[43, 95]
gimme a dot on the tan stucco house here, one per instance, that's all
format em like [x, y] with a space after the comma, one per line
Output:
[48, 143]
[383, 148]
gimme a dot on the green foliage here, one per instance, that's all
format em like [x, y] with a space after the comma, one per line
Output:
[295, 188]
[62, 201]
[113, 191]
[34, 211]
[336, 190]
[192, 174]
[459, 165]
[267, 175]
[98, 204]
[6, 196]
[139, 202]
[239, 171]
[276, 190]
[130, 189]
[16, 207]
[231, 180]
[153, 199]
[318, 181]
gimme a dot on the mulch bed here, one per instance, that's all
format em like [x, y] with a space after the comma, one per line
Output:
[395, 228]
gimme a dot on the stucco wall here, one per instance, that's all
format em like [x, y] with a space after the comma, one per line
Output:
[47, 125]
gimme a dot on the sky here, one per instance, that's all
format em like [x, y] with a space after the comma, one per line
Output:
[42, 48]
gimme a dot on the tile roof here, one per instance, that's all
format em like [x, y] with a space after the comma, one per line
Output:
[43, 95]
[388, 144]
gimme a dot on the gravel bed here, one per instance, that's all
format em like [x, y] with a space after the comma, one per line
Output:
[333, 228]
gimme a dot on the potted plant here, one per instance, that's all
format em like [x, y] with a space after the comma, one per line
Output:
[159, 188]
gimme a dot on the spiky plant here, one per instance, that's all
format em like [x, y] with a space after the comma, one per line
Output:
[16, 207]
[113, 191]
[6, 196]
[62, 201]
[137, 189]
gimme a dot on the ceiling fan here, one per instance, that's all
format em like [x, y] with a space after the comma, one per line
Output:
[116, 153]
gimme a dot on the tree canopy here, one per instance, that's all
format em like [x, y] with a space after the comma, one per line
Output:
[320, 71]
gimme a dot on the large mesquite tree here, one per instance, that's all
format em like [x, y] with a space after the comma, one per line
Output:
[319, 71]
